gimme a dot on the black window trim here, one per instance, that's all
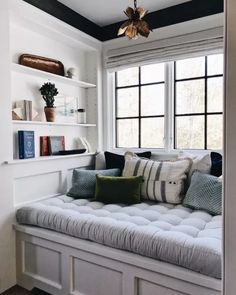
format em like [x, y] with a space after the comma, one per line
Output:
[139, 85]
[206, 114]
[139, 117]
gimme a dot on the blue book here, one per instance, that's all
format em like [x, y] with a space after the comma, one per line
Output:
[26, 144]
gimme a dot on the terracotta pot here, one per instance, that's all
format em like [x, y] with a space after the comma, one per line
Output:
[50, 114]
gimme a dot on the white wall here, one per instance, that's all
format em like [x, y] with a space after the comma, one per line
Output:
[7, 243]
[230, 148]
[26, 29]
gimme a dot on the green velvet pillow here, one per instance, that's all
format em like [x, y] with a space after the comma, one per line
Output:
[111, 190]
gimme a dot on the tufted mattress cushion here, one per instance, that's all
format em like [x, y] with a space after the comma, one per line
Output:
[170, 233]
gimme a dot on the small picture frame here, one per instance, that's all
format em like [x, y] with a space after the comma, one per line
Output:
[66, 109]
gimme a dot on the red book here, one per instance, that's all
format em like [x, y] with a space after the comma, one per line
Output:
[44, 149]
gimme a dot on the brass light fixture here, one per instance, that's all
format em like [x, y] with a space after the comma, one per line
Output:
[136, 25]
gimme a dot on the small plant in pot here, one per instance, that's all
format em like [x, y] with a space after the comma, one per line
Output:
[48, 92]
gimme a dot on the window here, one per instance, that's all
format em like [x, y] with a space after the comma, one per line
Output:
[140, 100]
[198, 103]
[144, 106]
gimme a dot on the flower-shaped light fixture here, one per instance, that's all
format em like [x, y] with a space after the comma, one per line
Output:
[136, 25]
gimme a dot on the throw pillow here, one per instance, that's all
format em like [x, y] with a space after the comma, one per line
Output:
[163, 181]
[204, 193]
[216, 164]
[84, 182]
[118, 161]
[200, 163]
[111, 190]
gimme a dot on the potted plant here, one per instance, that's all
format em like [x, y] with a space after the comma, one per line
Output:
[48, 92]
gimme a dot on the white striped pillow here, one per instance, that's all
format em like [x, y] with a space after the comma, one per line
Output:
[163, 181]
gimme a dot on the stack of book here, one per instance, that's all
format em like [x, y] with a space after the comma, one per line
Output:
[24, 108]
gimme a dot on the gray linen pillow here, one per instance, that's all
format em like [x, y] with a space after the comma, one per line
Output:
[84, 182]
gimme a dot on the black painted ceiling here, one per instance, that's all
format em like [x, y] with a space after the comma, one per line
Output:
[157, 19]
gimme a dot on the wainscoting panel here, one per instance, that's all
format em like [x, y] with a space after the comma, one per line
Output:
[45, 269]
[36, 186]
[39, 180]
[146, 287]
[102, 279]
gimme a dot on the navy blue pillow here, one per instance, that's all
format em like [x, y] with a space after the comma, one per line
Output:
[118, 161]
[216, 164]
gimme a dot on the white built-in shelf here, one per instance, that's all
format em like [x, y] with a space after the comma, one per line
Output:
[51, 77]
[47, 158]
[18, 122]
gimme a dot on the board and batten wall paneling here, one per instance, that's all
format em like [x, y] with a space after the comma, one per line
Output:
[36, 186]
[7, 238]
[230, 148]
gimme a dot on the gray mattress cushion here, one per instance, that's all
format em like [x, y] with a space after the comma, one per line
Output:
[170, 233]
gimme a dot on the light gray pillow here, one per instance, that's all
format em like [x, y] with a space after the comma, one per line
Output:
[84, 182]
[204, 193]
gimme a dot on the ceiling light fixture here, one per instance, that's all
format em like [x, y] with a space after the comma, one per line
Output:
[136, 25]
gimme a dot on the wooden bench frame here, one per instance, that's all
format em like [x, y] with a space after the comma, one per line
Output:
[64, 265]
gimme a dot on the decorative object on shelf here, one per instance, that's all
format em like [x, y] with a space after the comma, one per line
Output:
[81, 116]
[48, 92]
[17, 114]
[26, 108]
[44, 148]
[136, 25]
[42, 63]
[56, 144]
[72, 73]
[66, 109]
[82, 143]
[26, 144]
[72, 152]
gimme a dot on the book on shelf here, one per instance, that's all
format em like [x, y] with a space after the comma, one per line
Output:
[51, 145]
[56, 144]
[27, 109]
[26, 144]
[44, 148]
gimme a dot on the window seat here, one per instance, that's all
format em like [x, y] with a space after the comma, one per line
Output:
[173, 234]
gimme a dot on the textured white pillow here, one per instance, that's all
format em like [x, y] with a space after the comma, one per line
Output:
[163, 181]
[201, 163]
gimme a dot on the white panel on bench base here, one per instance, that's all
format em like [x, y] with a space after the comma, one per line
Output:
[63, 265]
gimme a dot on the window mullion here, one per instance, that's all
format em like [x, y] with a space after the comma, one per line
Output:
[206, 97]
[169, 105]
[139, 109]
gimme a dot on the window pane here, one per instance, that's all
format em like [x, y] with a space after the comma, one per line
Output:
[190, 68]
[190, 97]
[128, 77]
[127, 133]
[215, 95]
[127, 102]
[152, 100]
[153, 73]
[215, 64]
[152, 130]
[215, 132]
[190, 132]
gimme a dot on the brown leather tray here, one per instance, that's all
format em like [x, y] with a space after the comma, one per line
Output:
[42, 63]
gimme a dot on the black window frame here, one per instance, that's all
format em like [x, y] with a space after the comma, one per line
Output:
[206, 114]
[139, 117]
